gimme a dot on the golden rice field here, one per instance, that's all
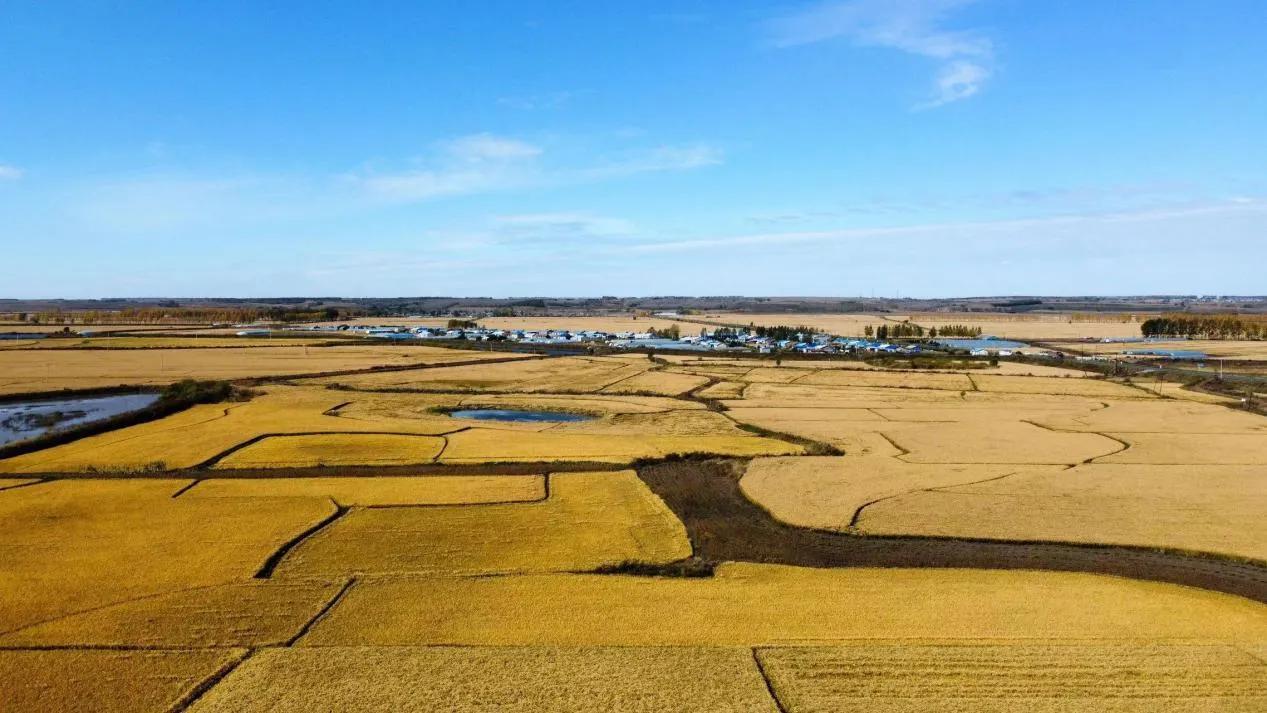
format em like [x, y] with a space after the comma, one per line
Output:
[503, 679]
[177, 564]
[38, 370]
[1044, 678]
[772, 605]
[589, 520]
[104, 681]
[159, 342]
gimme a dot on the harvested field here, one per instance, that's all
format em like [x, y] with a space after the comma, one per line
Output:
[829, 492]
[588, 520]
[70, 546]
[1039, 677]
[382, 491]
[900, 380]
[1192, 449]
[27, 370]
[765, 605]
[1092, 388]
[1216, 509]
[480, 445]
[577, 375]
[657, 382]
[102, 681]
[504, 679]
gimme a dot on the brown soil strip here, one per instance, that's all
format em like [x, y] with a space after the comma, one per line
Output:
[769, 685]
[266, 571]
[208, 683]
[723, 525]
[325, 610]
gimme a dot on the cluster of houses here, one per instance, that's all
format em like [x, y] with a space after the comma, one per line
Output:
[706, 340]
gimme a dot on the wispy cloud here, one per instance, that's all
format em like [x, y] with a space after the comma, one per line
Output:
[1239, 205]
[537, 102]
[565, 226]
[483, 163]
[10, 173]
[913, 26]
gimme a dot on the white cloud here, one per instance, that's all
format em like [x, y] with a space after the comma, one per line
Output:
[561, 227]
[10, 173]
[483, 163]
[1020, 229]
[912, 26]
[478, 148]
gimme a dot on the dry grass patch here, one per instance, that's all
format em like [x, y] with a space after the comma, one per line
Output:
[657, 382]
[96, 681]
[723, 390]
[382, 491]
[889, 379]
[335, 449]
[70, 545]
[589, 520]
[1063, 386]
[501, 679]
[995, 441]
[491, 445]
[1199, 508]
[1191, 449]
[260, 613]
[562, 375]
[766, 605]
[1038, 677]
[826, 492]
[1161, 416]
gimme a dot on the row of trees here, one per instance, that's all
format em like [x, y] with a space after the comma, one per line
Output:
[179, 315]
[900, 330]
[1213, 326]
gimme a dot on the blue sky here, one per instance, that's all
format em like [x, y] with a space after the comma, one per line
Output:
[913, 147]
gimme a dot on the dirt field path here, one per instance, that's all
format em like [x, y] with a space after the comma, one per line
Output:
[723, 525]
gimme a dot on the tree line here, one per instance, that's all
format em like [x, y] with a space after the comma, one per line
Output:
[180, 315]
[1212, 326]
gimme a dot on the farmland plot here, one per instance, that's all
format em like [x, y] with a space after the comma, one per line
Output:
[102, 681]
[69, 546]
[27, 371]
[767, 605]
[504, 679]
[589, 520]
[1216, 509]
[382, 491]
[1043, 678]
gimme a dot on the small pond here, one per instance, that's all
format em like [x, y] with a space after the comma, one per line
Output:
[20, 420]
[500, 414]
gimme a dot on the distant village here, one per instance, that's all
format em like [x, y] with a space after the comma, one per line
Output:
[763, 340]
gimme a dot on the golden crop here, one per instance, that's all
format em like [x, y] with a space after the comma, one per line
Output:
[589, 520]
[766, 605]
[519, 679]
[104, 681]
[1186, 507]
[382, 491]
